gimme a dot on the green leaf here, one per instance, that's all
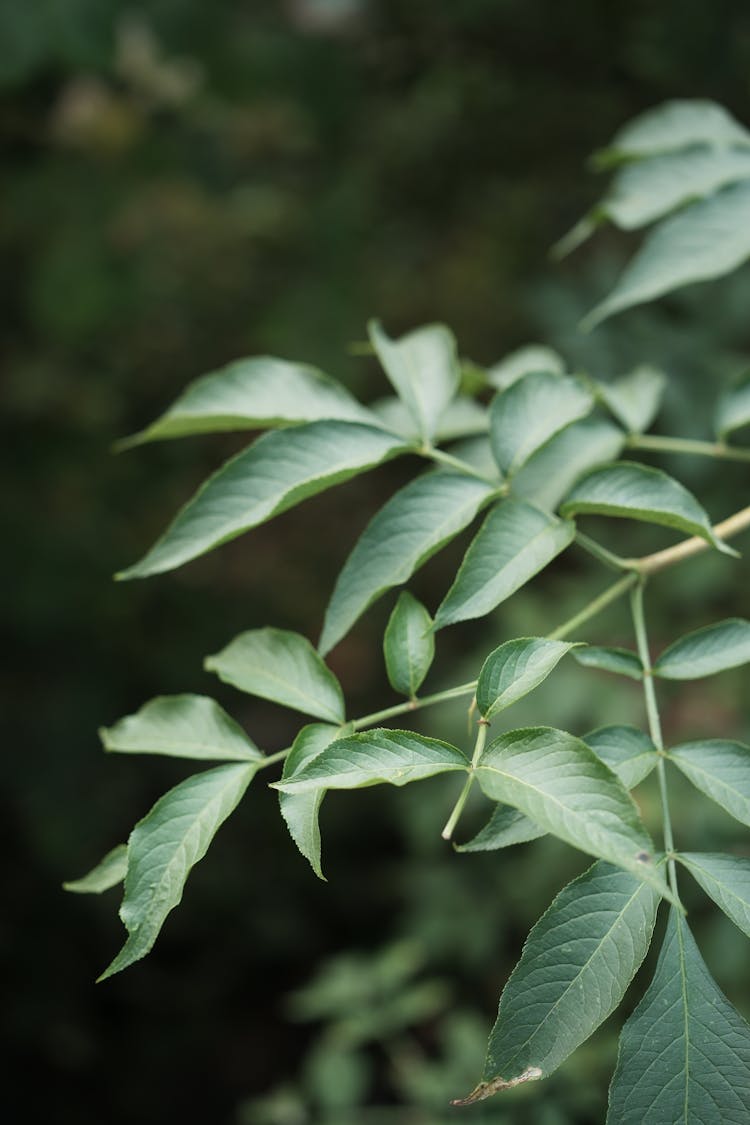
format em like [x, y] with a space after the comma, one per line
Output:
[562, 785]
[621, 661]
[553, 470]
[685, 1052]
[726, 879]
[638, 492]
[626, 750]
[720, 769]
[515, 542]
[646, 190]
[301, 810]
[393, 756]
[711, 649]
[108, 873]
[525, 417]
[280, 470]
[408, 645]
[424, 370]
[182, 726]
[650, 189]
[281, 666]
[576, 965]
[252, 394]
[506, 827]
[411, 527]
[463, 417]
[165, 845]
[733, 410]
[514, 669]
[533, 357]
[634, 399]
[707, 239]
[673, 126]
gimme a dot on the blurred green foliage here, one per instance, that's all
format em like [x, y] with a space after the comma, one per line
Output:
[185, 183]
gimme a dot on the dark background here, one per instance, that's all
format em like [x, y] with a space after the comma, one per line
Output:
[187, 182]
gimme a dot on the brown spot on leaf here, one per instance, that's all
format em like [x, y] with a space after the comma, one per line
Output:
[495, 1085]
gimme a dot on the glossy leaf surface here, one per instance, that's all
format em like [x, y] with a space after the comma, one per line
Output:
[108, 873]
[252, 394]
[301, 810]
[733, 410]
[530, 412]
[620, 661]
[685, 1052]
[706, 651]
[674, 125]
[374, 756]
[278, 471]
[532, 357]
[721, 770]
[628, 751]
[576, 965]
[563, 786]
[514, 669]
[165, 845]
[411, 527]
[424, 370]
[408, 645]
[634, 399]
[183, 726]
[515, 542]
[726, 878]
[638, 492]
[706, 240]
[549, 475]
[281, 666]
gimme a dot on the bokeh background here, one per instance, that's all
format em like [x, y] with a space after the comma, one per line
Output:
[188, 182]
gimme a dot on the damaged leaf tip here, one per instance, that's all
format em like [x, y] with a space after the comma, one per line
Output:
[495, 1085]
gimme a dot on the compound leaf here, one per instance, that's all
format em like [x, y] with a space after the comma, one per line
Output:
[278, 471]
[424, 370]
[525, 417]
[108, 873]
[515, 542]
[634, 491]
[685, 1052]
[706, 651]
[281, 666]
[411, 527]
[182, 726]
[374, 756]
[165, 845]
[726, 878]
[252, 394]
[408, 645]
[558, 781]
[720, 769]
[576, 965]
[514, 669]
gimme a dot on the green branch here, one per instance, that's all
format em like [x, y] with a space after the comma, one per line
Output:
[654, 725]
[661, 444]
